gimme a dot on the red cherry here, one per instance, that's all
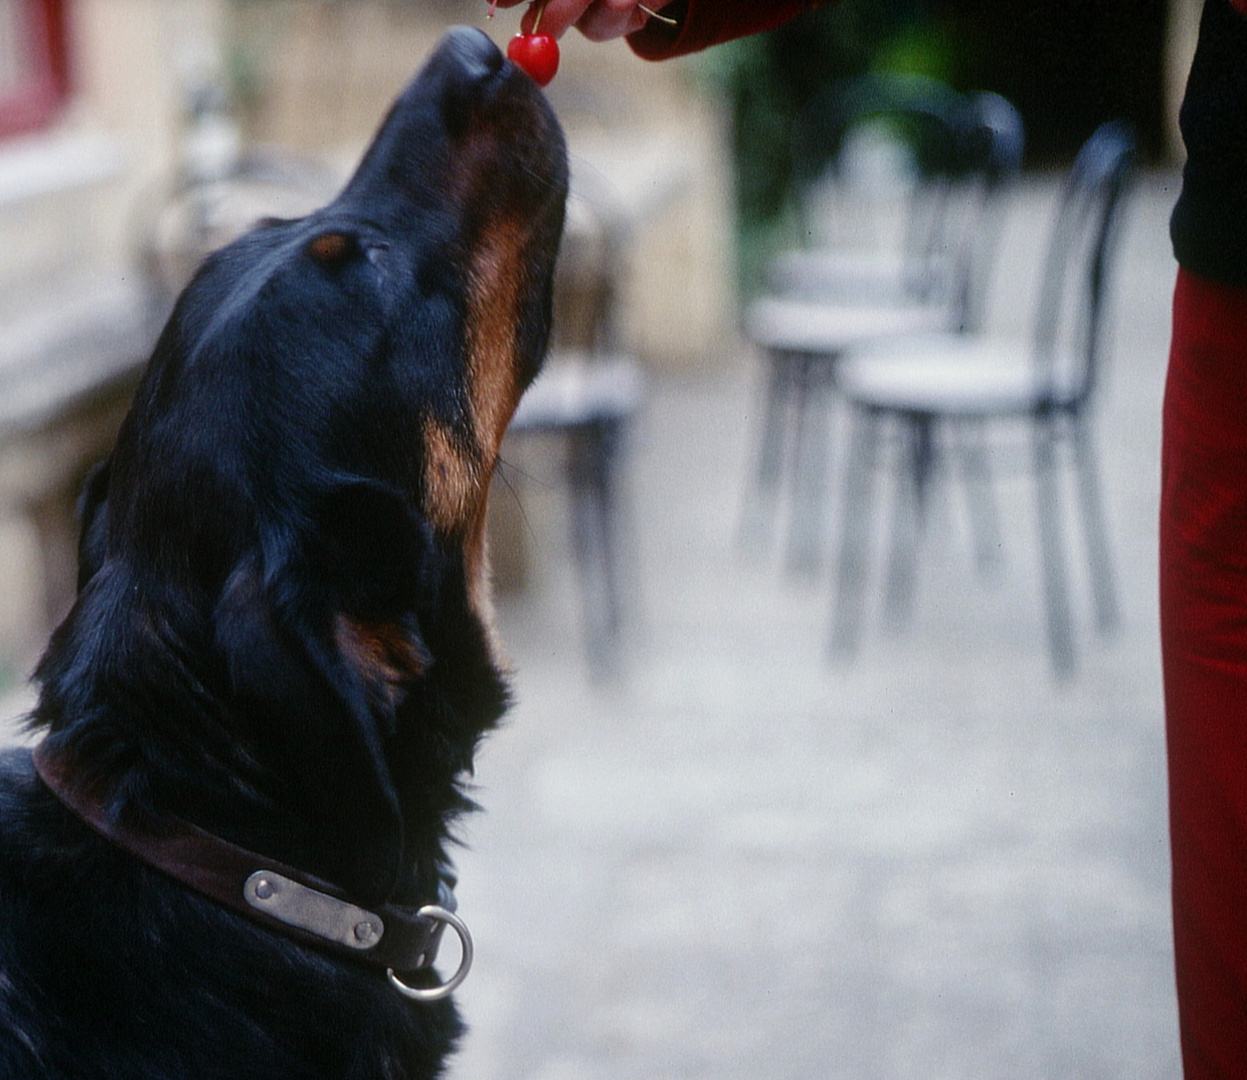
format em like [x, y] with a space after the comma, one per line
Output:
[536, 54]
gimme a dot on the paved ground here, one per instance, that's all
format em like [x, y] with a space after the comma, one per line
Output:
[735, 861]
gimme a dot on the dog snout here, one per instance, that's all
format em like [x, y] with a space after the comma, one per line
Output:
[471, 49]
[468, 113]
[466, 62]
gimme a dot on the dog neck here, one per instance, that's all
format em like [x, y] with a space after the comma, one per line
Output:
[278, 742]
[281, 898]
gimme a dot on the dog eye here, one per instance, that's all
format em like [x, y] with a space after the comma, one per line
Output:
[331, 248]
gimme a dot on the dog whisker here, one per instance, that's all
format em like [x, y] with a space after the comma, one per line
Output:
[501, 473]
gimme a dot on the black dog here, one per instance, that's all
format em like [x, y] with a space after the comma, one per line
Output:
[280, 643]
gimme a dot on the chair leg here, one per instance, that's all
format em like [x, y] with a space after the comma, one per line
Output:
[1056, 586]
[1103, 584]
[762, 497]
[806, 535]
[855, 536]
[607, 504]
[912, 488]
[591, 454]
[980, 497]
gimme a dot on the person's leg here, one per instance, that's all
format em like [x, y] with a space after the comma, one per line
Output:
[1203, 600]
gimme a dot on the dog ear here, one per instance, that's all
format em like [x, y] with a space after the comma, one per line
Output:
[93, 522]
[367, 552]
[323, 642]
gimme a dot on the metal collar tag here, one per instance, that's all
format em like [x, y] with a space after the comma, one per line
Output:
[316, 912]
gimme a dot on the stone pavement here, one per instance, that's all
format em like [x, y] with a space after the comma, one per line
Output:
[734, 861]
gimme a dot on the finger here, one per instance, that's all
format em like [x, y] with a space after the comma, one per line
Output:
[598, 20]
[605, 20]
[554, 17]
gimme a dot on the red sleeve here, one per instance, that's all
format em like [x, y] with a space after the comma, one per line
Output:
[1241, 5]
[702, 23]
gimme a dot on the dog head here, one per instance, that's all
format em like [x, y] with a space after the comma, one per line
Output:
[282, 580]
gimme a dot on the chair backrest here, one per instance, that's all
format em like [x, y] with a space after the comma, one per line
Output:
[1069, 328]
[994, 159]
[963, 153]
[179, 223]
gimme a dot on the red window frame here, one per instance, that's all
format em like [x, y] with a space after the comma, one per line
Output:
[36, 94]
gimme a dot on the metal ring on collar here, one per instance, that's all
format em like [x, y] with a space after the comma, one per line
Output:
[436, 993]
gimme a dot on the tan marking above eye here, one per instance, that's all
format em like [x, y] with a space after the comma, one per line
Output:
[330, 247]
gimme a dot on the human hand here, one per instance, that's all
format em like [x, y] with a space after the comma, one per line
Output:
[597, 20]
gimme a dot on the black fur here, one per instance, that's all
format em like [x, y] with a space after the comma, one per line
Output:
[273, 637]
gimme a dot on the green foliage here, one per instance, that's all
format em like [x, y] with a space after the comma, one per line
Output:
[922, 48]
[767, 80]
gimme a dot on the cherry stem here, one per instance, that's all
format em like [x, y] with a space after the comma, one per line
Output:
[661, 18]
[541, 7]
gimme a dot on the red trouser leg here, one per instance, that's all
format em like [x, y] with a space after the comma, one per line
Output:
[1203, 603]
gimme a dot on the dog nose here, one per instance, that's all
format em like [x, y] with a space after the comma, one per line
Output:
[465, 80]
[474, 55]
[465, 61]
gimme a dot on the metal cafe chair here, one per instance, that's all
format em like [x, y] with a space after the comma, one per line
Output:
[930, 385]
[826, 299]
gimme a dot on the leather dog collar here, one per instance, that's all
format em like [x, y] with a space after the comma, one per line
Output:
[277, 896]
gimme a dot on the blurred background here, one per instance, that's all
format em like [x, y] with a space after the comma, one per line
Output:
[790, 788]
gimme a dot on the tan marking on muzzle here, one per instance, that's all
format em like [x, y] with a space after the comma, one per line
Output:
[457, 489]
[459, 467]
[495, 288]
[459, 463]
[453, 480]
